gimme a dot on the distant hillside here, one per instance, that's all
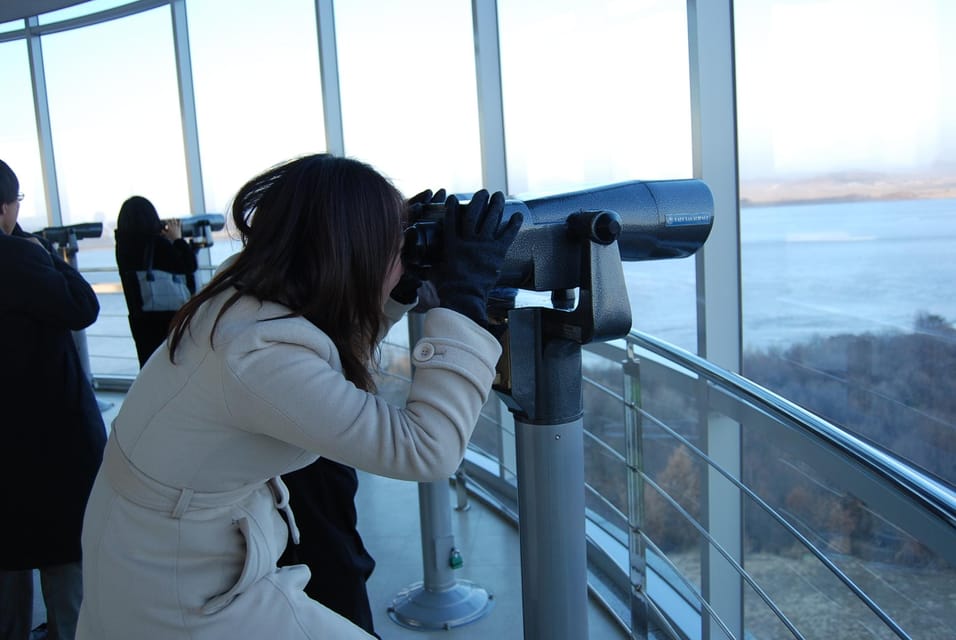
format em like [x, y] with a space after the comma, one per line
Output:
[848, 186]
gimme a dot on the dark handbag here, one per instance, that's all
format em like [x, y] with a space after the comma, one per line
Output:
[161, 290]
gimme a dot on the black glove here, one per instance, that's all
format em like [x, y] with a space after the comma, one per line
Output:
[475, 243]
[415, 204]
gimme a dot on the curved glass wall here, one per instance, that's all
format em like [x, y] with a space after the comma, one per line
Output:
[844, 283]
[846, 305]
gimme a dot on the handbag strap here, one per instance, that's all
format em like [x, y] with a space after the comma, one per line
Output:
[150, 249]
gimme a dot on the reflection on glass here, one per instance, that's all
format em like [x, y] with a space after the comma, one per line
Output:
[114, 111]
[19, 147]
[409, 101]
[258, 92]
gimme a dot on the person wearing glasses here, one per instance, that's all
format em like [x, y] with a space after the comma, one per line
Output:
[53, 433]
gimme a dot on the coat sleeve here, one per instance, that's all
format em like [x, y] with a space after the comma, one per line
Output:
[292, 392]
[48, 289]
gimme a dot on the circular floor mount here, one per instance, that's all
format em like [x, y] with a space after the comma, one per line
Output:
[416, 607]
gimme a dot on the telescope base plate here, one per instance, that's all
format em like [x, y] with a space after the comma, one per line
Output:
[416, 607]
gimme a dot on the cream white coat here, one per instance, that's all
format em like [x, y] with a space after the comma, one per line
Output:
[183, 528]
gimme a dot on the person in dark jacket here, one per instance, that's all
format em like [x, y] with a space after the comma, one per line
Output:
[323, 496]
[138, 228]
[52, 430]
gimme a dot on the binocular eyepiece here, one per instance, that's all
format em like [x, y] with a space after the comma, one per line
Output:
[650, 220]
[423, 239]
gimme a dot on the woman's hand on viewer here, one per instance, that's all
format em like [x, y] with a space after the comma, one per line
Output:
[172, 229]
[475, 242]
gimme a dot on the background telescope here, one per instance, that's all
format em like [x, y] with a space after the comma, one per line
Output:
[650, 220]
[68, 235]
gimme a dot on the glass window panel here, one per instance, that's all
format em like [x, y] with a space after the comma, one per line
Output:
[595, 94]
[257, 85]
[847, 151]
[18, 134]
[114, 111]
[409, 100]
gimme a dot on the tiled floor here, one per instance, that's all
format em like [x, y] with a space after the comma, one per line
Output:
[389, 524]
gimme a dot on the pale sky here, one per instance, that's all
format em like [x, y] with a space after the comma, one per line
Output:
[845, 84]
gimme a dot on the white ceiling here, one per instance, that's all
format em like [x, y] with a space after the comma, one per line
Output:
[16, 9]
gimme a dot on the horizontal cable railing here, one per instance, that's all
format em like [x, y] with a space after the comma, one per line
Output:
[880, 490]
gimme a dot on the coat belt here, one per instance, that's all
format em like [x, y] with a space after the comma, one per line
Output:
[139, 488]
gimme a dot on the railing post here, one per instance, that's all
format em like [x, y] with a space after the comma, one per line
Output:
[722, 506]
[461, 490]
[634, 443]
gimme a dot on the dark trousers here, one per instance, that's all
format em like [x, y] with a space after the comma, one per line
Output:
[149, 331]
[62, 587]
[322, 496]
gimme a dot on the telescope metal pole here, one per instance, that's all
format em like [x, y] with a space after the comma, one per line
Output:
[542, 385]
[549, 434]
[440, 601]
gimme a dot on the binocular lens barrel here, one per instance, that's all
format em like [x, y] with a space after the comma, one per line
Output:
[650, 220]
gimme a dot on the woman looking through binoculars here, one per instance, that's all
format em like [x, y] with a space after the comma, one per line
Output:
[141, 239]
[267, 368]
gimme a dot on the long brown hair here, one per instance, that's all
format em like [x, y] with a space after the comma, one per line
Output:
[319, 234]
